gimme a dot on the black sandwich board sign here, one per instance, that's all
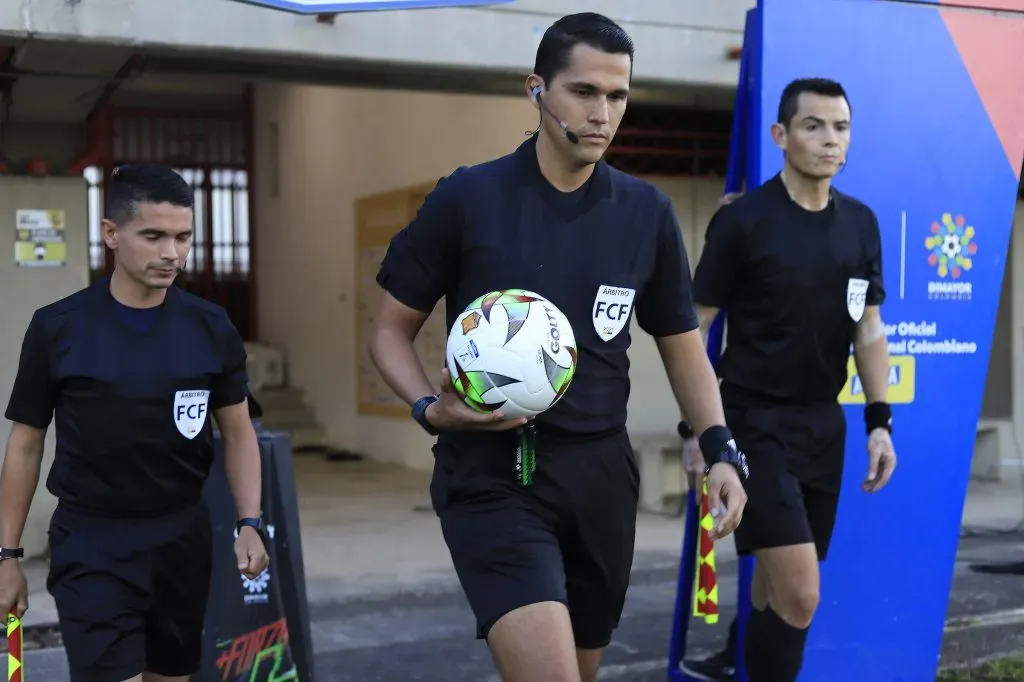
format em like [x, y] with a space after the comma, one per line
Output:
[257, 630]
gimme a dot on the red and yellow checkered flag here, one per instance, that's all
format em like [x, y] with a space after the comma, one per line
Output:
[705, 601]
[14, 668]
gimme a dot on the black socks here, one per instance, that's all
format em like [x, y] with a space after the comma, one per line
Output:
[731, 643]
[774, 651]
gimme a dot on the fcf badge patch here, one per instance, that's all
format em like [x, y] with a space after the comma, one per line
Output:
[856, 296]
[190, 409]
[612, 307]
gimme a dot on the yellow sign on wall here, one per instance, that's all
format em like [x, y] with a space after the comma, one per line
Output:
[902, 375]
[39, 238]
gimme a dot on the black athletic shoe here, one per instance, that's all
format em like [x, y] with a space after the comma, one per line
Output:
[717, 668]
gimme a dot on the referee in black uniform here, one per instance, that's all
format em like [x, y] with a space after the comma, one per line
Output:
[130, 370]
[546, 567]
[797, 266]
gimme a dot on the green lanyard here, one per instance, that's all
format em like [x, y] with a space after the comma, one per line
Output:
[526, 453]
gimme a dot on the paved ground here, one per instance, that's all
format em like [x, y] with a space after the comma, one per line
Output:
[385, 603]
[422, 638]
[427, 636]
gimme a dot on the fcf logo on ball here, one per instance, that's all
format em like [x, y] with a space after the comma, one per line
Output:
[951, 249]
[190, 411]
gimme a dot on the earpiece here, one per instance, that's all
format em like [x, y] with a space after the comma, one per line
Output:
[535, 94]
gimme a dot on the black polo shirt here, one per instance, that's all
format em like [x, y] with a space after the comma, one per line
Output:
[501, 225]
[131, 394]
[792, 282]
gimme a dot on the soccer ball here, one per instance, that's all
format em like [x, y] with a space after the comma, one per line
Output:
[951, 246]
[512, 351]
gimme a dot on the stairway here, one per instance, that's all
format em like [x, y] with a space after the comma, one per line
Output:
[284, 406]
[285, 409]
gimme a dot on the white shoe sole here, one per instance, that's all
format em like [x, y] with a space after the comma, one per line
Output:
[698, 675]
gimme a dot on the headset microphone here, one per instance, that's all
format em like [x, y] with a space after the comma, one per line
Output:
[569, 135]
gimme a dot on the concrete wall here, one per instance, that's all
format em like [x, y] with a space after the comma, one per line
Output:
[59, 143]
[678, 41]
[997, 401]
[997, 444]
[24, 290]
[1015, 368]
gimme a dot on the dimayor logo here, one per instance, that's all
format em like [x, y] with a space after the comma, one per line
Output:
[951, 249]
[256, 588]
[902, 379]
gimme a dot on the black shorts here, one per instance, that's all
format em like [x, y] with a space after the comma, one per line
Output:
[130, 593]
[795, 455]
[567, 538]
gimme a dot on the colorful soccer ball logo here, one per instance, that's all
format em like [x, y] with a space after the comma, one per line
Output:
[951, 246]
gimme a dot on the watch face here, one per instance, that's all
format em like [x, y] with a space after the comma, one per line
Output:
[737, 459]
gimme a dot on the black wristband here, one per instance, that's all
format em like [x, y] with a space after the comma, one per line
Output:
[716, 439]
[419, 413]
[878, 415]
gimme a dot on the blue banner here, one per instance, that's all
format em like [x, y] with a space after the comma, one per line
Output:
[936, 151]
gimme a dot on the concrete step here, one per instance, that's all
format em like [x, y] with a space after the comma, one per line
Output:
[307, 436]
[280, 398]
[289, 418]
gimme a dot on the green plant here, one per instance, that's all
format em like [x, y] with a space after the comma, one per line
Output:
[1010, 669]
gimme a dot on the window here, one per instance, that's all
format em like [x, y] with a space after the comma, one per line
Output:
[230, 206]
[97, 250]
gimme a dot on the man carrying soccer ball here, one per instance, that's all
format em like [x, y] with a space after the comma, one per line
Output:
[546, 566]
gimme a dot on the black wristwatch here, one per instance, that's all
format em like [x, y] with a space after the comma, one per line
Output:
[684, 430]
[717, 445]
[419, 413]
[11, 553]
[254, 523]
[732, 456]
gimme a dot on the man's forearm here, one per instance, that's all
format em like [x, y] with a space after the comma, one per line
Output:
[244, 470]
[693, 380]
[705, 318]
[395, 358]
[873, 369]
[696, 391]
[23, 459]
[871, 355]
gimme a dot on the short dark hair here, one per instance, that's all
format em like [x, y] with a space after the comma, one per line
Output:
[588, 28]
[790, 100]
[143, 183]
